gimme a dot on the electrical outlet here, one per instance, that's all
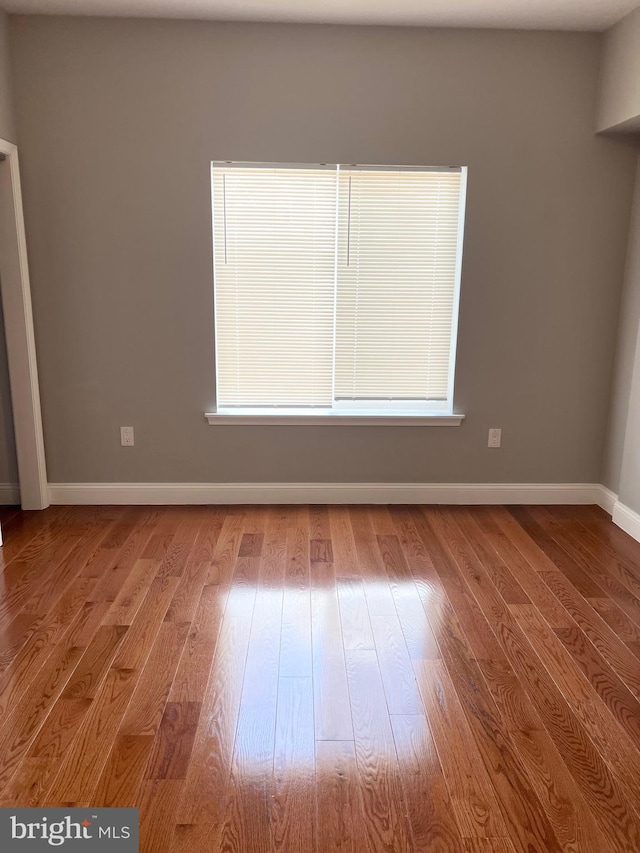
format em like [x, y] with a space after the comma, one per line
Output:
[126, 436]
[495, 438]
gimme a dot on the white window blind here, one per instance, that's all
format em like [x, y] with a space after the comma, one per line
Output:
[397, 276]
[336, 287]
[274, 242]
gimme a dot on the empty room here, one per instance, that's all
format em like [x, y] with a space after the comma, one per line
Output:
[320, 426]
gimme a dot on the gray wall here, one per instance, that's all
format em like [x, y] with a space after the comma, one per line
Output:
[118, 121]
[619, 101]
[8, 464]
[627, 368]
[619, 111]
[7, 123]
[629, 488]
[8, 461]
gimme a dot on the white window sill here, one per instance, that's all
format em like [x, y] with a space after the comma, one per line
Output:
[332, 419]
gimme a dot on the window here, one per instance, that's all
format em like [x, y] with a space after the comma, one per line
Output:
[336, 288]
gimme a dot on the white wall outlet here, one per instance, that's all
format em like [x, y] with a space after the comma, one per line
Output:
[126, 436]
[495, 438]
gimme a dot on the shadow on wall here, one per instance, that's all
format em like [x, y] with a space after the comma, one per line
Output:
[8, 461]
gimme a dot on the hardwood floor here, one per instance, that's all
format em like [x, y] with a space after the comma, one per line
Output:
[442, 679]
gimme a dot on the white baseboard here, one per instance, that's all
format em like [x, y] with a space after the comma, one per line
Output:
[327, 493]
[607, 500]
[9, 494]
[627, 519]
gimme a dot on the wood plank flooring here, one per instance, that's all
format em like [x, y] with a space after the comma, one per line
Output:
[319, 679]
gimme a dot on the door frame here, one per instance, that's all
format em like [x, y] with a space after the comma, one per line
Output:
[20, 338]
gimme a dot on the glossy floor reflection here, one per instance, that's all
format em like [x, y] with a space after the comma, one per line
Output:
[457, 680]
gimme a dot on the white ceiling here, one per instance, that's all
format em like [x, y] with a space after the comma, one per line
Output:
[519, 14]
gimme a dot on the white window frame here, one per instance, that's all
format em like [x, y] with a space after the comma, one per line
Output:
[20, 338]
[354, 412]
